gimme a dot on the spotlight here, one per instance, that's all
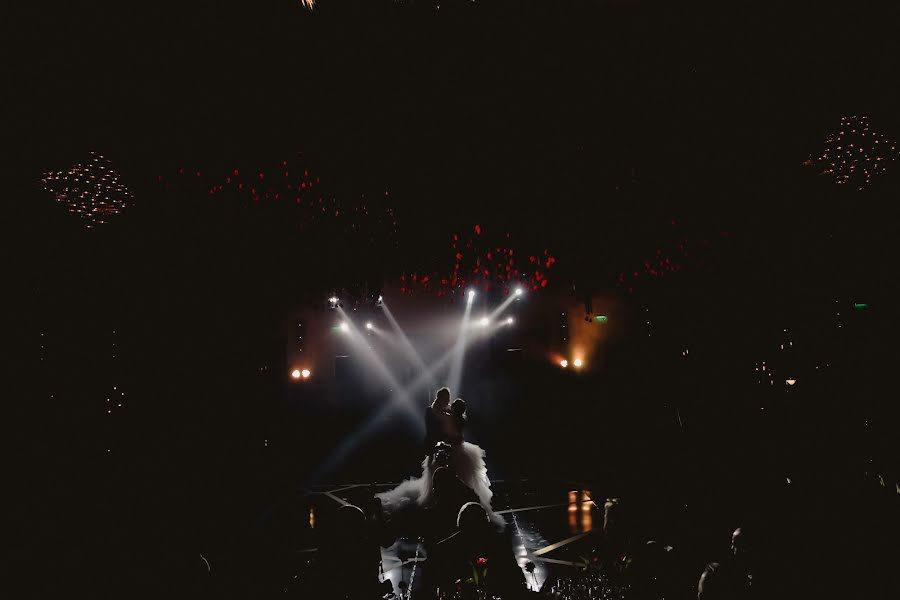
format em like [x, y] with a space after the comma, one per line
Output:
[577, 362]
[296, 373]
[510, 321]
[380, 299]
[564, 363]
[519, 291]
[484, 322]
[471, 295]
[369, 326]
[305, 373]
[344, 327]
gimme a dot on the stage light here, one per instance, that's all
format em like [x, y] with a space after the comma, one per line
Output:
[380, 299]
[577, 362]
[305, 373]
[369, 326]
[471, 295]
[333, 301]
[484, 322]
[564, 363]
[510, 321]
[519, 291]
[296, 373]
[344, 327]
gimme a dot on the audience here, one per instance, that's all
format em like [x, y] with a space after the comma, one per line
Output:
[448, 496]
[465, 556]
[475, 560]
[348, 559]
[716, 584]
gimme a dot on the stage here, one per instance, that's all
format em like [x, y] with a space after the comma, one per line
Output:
[550, 525]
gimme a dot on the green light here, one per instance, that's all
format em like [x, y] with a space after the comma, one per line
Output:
[860, 305]
[600, 318]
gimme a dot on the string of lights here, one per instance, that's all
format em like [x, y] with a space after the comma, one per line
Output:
[291, 185]
[855, 153]
[91, 190]
[666, 260]
[486, 262]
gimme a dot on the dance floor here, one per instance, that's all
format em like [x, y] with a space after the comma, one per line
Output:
[545, 521]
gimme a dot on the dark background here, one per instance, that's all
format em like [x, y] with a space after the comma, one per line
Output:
[584, 127]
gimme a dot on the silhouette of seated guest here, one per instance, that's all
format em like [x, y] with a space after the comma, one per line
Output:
[718, 582]
[476, 559]
[379, 527]
[348, 560]
[743, 565]
[448, 496]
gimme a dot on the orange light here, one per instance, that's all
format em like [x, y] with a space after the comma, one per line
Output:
[564, 363]
[305, 373]
[295, 373]
[577, 362]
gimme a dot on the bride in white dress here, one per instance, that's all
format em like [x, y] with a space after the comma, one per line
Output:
[444, 423]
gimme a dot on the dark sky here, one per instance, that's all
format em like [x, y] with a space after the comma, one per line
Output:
[552, 119]
[501, 94]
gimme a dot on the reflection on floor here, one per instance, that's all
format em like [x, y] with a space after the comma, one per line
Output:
[545, 520]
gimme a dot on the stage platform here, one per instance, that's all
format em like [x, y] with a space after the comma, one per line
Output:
[547, 523]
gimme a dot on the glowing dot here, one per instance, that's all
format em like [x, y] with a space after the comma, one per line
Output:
[305, 373]
[369, 326]
[344, 327]
[577, 362]
[296, 373]
[564, 363]
[471, 294]
[510, 321]
[333, 300]
[484, 322]
[519, 291]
